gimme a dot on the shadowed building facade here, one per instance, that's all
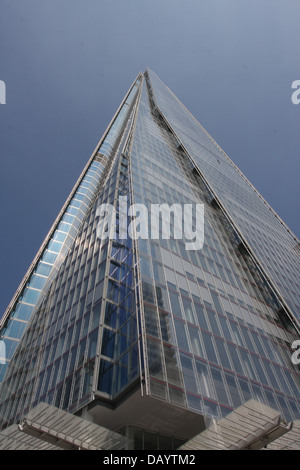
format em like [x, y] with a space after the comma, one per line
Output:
[139, 334]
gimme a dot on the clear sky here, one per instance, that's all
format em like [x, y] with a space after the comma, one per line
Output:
[67, 64]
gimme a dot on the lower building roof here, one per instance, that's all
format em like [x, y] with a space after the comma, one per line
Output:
[251, 426]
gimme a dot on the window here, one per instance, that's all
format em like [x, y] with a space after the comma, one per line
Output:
[188, 373]
[175, 304]
[195, 341]
[209, 347]
[219, 386]
[205, 383]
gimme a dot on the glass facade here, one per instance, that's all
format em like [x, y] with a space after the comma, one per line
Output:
[202, 330]
[212, 334]
[271, 242]
[60, 238]
[56, 359]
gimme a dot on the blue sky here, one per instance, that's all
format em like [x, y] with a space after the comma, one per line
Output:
[68, 63]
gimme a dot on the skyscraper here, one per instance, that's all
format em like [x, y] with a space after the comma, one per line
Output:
[166, 292]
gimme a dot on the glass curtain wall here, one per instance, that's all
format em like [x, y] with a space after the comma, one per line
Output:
[211, 334]
[87, 314]
[271, 242]
[60, 238]
[199, 328]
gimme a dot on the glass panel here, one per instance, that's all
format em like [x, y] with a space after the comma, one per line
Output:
[188, 373]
